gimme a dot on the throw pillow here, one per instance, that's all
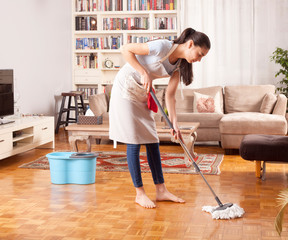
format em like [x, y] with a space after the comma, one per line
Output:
[98, 104]
[207, 104]
[268, 103]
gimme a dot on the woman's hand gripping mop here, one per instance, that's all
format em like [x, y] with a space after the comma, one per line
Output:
[223, 211]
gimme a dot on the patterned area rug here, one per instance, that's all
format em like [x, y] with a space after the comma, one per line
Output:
[171, 163]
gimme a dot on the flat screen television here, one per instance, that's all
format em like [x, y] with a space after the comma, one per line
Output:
[6, 95]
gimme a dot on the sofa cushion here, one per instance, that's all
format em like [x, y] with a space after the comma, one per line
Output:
[268, 103]
[246, 98]
[253, 123]
[281, 105]
[98, 104]
[185, 104]
[208, 120]
[206, 104]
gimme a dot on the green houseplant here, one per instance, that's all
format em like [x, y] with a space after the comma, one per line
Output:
[280, 56]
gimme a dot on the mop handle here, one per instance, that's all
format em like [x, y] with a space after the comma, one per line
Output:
[184, 147]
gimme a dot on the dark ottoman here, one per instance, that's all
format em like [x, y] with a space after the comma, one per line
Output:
[264, 148]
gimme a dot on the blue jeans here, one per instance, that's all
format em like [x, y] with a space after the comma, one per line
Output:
[154, 161]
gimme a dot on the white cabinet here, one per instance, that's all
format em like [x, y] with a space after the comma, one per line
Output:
[43, 132]
[100, 28]
[25, 134]
[5, 143]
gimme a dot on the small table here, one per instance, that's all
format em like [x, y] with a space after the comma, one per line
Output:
[88, 132]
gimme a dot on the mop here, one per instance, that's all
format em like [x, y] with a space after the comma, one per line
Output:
[223, 211]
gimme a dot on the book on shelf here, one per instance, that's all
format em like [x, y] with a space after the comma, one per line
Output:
[144, 5]
[87, 61]
[141, 39]
[93, 61]
[99, 5]
[83, 5]
[169, 23]
[88, 91]
[136, 23]
[117, 5]
[114, 44]
[87, 23]
[109, 42]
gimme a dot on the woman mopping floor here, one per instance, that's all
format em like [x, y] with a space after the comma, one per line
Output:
[131, 121]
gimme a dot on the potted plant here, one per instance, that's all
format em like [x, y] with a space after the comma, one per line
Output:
[280, 56]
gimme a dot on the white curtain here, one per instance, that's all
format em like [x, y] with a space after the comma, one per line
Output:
[243, 34]
[271, 31]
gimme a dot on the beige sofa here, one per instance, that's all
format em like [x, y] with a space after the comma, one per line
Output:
[241, 110]
[245, 114]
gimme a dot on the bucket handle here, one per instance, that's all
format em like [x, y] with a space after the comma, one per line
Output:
[84, 155]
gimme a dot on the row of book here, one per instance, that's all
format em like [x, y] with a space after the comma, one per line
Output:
[87, 61]
[88, 91]
[117, 5]
[109, 42]
[98, 5]
[138, 5]
[85, 23]
[114, 42]
[136, 23]
[137, 39]
[165, 23]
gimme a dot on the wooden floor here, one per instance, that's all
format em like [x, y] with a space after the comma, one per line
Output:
[33, 208]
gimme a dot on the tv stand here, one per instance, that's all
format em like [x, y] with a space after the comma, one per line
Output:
[26, 133]
[6, 121]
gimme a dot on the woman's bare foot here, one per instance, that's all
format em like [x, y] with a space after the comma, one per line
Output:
[162, 194]
[142, 199]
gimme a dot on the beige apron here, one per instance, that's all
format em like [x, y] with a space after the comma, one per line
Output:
[130, 120]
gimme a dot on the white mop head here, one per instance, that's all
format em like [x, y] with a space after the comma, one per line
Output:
[231, 212]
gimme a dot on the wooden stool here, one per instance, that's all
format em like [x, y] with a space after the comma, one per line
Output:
[78, 108]
[264, 148]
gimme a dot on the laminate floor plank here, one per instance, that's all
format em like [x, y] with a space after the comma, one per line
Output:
[33, 208]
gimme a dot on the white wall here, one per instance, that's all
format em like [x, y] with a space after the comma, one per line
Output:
[36, 42]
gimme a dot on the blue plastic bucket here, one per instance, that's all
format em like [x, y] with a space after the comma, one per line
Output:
[72, 167]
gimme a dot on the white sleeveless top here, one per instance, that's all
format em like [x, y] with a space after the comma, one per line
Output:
[130, 120]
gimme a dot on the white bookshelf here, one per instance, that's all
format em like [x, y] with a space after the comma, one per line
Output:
[88, 42]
